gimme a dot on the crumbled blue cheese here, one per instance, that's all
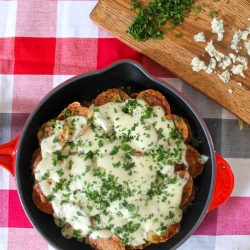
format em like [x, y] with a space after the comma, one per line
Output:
[225, 62]
[198, 65]
[235, 41]
[238, 70]
[200, 37]
[247, 46]
[218, 28]
[219, 59]
[213, 52]
[239, 84]
[220, 56]
[242, 60]
[225, 76]
[211, 49]
[245, 34]
[211, 66]
[230, 91]
[233, 57]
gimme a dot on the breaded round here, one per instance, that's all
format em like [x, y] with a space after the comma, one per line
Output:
[182, 125]
[140, 246]
[190, 199]
[170, 232]
[40, 200]
[36, 158]
[113, 243]
[111, 95]
[188, 188]
[155, 98]
[48, 129]
[73, 109]
[192, 157]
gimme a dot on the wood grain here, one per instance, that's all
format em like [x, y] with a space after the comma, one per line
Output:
[175, 54]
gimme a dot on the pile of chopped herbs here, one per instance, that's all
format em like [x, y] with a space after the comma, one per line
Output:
[150, 20]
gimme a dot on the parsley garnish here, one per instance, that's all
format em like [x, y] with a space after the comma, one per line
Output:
[77, 233]
[150, 20]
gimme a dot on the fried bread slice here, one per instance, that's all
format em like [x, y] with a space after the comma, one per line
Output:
[169, 233]
[154, 98]
[195, 167]
[181, 125]
[49, 129]
[113, 243]
[40, 200]
[192, 157]
[187, 189]
[36, 158]
[111, 95]
[73, 109]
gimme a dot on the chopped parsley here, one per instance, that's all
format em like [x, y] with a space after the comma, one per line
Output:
[149, 21]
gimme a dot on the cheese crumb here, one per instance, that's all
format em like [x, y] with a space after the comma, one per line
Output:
[200, 37]
[242, 60]
[244, 35]
[247, 46]
[225, 76]
[233, 57]
[238, 70]
[198, 65]
[239, 84]
[218, 28]
[214, 52]
[235, 41]
[211, 66]
[230, 91]
[211, 49]
[224, 62]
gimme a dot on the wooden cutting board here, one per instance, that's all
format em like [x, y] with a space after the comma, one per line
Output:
[176, 54]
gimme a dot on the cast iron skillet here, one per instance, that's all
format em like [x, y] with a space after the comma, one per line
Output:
[16, 155]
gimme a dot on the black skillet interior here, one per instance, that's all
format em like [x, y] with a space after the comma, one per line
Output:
[84, 88]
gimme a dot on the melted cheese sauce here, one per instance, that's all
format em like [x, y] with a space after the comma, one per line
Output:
[116, 173]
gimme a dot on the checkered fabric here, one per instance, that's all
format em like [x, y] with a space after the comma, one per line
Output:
[43, 43]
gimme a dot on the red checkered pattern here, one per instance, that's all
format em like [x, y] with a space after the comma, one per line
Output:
[43, 43]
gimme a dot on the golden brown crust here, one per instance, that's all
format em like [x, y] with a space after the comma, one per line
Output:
[40, 200]
[140, 246]
[74, 108]
[182, 125]
[190, 199]
[192, 157]
[155, 98]
[170, 232]
[188, 188]
[111, 95]
[48, 129]
[113, 243]
[36, 158]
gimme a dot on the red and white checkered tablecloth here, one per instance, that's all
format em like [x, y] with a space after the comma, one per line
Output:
[43, 43]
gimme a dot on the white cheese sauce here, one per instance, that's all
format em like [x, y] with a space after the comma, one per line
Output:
[116, 173]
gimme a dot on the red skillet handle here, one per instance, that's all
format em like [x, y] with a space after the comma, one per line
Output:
[224, 183]
[8, 155]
